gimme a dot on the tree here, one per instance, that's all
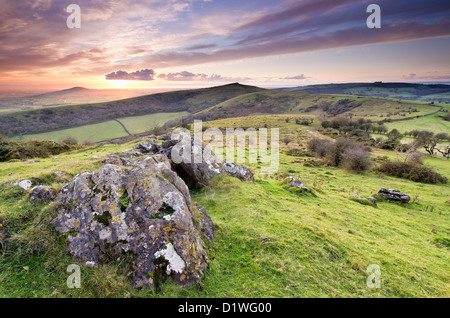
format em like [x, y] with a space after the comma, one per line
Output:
[394, 135]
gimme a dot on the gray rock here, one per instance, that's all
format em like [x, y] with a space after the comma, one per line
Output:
[42, 193]
[242, 173]
[394, 195]
[363, 200]
[24, 184]
[205, 224]
[201, 165]
[143, 215]
[113, 159]
[148, 148]
[295, 183]
[59, 174]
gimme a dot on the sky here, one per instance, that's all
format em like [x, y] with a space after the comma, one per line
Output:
[200, 43]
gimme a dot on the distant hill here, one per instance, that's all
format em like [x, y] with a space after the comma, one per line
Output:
[56, 118]
[408, 91]
[281, 102]
[71, 96]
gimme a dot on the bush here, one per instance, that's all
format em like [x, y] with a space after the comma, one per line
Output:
[411, 171]
[356, 160]
[318, 147]
[344, 152]
[69, 141]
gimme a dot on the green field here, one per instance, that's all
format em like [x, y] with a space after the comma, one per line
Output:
[139, 124]
[110, 129]
[432, 123]
[269, 241]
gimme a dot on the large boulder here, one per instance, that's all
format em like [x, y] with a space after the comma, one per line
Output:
[143, 214]
[194, 161]
[202, 164]
[394, 195]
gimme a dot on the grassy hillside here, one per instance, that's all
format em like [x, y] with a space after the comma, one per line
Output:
[109, 129]
[277, 102]
[408, 91]
[270, 241]
[56, 118]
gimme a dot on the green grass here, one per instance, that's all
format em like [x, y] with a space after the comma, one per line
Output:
[139, 124]
[95, 132]
[281, 102]
[433, 123]
[110, 129]
[270, 242]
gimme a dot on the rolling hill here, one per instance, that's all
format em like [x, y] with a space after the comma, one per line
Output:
[71, 96]
[279, 102]
[408, 91]
[56, 118]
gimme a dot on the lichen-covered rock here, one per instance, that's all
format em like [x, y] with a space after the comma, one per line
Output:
[203, 222]
[42, 193]
[199, 165]
[242, 173]
[113, 160]
[143, 214]
[394, 195]
[148, 148]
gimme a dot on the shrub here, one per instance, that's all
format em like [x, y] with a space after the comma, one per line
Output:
[318, 147]
[411, 171]
[356, 160]
[69, 141]
[344, 152]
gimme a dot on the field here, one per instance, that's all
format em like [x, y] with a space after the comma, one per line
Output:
[270, 241]
[433, 123]
[110, 129]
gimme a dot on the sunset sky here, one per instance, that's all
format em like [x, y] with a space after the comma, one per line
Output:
[197, 43]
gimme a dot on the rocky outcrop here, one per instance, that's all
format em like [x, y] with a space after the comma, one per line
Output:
[148, 148]
[42, 193]
[143, 215]
[242, 173]
[394, 195]
[194, 162]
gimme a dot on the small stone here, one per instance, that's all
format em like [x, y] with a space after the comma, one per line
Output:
[24, 184]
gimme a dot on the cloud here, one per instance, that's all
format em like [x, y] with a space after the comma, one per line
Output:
[428, 76]
[142, 75]
[135, 33]
[182, 76]
[189, 76]
[409, 76]
[296, 77]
